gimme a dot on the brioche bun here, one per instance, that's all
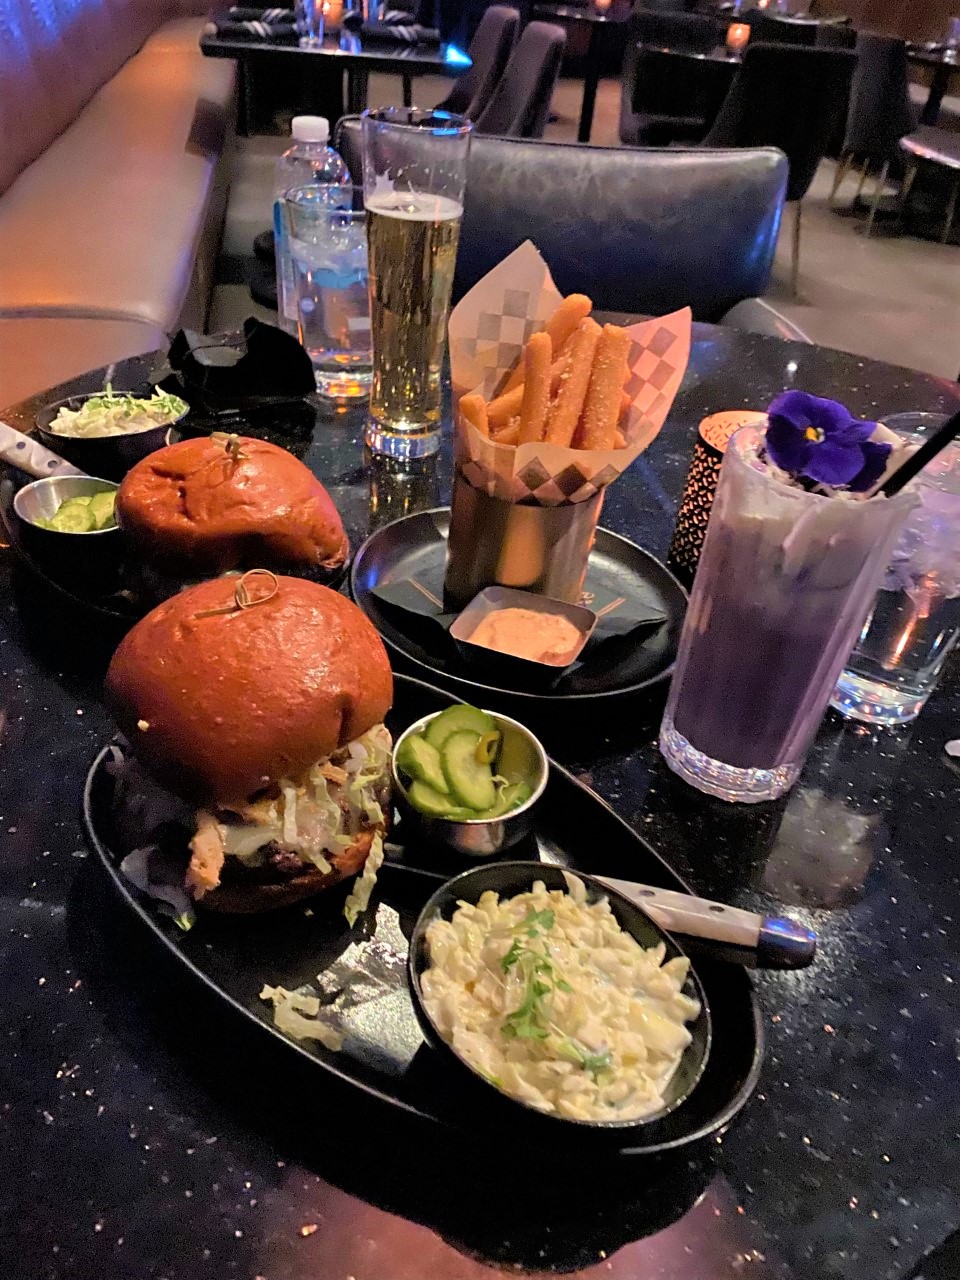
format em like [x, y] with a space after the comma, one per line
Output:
[195, 509]
[220, 707]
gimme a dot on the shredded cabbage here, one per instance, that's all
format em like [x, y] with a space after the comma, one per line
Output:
[319, 816]
[359, 898]
[295, 1013]
[118, 413]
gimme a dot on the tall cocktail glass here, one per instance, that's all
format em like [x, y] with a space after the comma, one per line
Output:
[415, 176]
[785, 579]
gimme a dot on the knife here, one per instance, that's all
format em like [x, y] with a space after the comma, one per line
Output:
[777, 941]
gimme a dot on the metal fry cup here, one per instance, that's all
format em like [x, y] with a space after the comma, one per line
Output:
[495, 543]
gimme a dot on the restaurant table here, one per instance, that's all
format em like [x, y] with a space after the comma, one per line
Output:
[944, 63]
[143, 1136]
[339, 51]
[600, 22]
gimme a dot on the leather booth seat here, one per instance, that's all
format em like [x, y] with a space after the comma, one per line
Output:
[109, 233]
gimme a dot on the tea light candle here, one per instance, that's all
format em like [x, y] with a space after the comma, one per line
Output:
[738, 33]
[602, 6]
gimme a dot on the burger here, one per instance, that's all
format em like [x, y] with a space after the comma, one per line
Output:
[254, 752]
[223, 503]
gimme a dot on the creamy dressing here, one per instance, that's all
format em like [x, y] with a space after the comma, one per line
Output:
[526, 633]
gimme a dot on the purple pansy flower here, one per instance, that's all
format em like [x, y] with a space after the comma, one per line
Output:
[821, 440]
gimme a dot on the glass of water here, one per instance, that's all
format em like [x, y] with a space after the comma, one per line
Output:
[915, 622]
[310, 22]
[327, 244]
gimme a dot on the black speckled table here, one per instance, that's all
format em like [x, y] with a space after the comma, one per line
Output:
[142, 1137]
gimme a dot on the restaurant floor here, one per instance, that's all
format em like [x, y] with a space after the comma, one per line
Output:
[894, 298]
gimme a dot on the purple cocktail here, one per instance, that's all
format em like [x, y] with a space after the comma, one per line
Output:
[785, 580]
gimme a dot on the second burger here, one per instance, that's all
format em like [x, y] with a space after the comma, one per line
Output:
[222, 503]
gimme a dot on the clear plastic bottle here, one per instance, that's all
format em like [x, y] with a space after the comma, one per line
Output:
[310, 159]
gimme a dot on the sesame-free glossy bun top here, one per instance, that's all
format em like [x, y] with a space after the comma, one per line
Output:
[219, 707]
[196, 508]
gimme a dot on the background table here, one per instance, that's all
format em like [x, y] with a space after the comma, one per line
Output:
[944, 66]
[338, 52]
[140, 1138]
[599, 23]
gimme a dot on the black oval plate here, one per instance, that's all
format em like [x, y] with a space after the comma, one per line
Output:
[363, 972]
[416, 547]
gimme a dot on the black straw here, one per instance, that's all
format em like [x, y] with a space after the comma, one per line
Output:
[944, 436]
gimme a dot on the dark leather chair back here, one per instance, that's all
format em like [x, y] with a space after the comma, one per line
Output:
[880, 108]
[835, 35]
[490, 51]
[521, 101]
[637, 230]
[789, 97]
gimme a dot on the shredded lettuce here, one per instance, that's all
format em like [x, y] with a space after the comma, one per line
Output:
[359, 898]
[295, 1013]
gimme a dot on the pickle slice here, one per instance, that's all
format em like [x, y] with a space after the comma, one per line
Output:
[454, 719]
[73, 517]
[101, 504]
[470, 781]
[417, 759]
[510, 797]
[435, 805]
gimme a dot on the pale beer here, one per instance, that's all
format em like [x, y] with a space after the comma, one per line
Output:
[412, 239]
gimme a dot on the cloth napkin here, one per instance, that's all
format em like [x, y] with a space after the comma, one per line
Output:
[416, 608]
[394, 33]
[253, 29]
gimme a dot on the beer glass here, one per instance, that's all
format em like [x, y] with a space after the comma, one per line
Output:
[414, 176]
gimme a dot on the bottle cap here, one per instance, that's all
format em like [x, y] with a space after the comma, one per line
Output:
[310, 129]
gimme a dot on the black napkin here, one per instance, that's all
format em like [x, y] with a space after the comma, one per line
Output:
[253, 29]
[261, 365]
[417, 609]
[412, 33]
[258, 13]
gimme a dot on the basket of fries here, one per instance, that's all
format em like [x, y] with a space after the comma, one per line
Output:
[551, 407]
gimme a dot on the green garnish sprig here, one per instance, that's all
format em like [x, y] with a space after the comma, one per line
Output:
[530, 951]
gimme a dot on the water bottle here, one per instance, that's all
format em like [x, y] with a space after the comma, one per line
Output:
[310, 159]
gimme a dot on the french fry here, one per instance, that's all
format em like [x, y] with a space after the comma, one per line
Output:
[601, 407]
[507, 405]
[625, 403]
[566, 408]
[619, 439]
[560, 327]
[536, 388]
[510, 434]
[474, 409]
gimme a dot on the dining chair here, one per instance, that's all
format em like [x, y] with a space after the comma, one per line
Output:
[520, 104]
[489, 52]
[670, 95]
[790, 97]
[880, 114]
[639, 230]
[663, 98]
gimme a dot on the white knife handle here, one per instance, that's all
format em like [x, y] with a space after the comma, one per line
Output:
[782, 942]
[695, 917]
[29, 455]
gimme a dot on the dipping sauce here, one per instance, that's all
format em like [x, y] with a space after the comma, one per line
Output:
[525, 633]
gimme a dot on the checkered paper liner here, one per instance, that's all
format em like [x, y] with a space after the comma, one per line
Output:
[488, 330]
